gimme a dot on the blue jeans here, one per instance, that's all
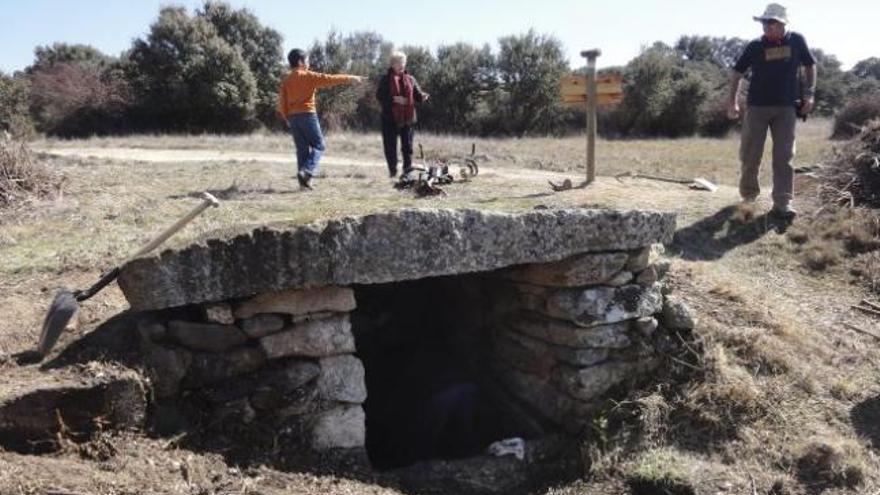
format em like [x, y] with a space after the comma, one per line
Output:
[308, 139]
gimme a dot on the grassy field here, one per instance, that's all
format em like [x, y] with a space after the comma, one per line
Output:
[773, 390]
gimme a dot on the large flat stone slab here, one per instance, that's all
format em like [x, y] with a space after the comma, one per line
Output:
[380, 248]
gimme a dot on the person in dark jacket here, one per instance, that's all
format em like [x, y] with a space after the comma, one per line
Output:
[398, 92]
[774, 102]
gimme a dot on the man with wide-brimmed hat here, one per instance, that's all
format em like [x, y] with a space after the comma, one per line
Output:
[775, 100]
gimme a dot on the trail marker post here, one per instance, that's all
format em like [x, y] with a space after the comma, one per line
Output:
[594, 91]
[592, 104]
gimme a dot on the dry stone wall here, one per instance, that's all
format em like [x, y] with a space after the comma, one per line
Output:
[284, 360]
[565, 333]
[575, 309]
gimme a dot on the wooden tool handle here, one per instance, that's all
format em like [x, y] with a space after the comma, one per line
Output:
[207, 201]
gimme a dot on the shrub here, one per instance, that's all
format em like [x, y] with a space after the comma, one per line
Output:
[14, 115]
[70, 99]
[850, 120]
[20, 177]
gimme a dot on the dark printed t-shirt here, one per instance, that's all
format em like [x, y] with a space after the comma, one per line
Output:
[774, 67]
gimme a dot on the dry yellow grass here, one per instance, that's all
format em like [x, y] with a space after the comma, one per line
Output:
[769, 374]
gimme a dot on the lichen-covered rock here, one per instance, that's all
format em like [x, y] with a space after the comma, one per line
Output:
[329, 336]
[378, 248]
[593, 306]
[677, 315]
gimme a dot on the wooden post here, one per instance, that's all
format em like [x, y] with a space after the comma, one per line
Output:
[592, 103]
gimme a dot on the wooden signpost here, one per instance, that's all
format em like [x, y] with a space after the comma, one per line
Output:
[594, 92]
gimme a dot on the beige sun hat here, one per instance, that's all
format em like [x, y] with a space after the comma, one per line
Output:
[774, 12]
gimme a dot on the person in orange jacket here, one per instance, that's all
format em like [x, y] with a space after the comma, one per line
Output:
[296, 106]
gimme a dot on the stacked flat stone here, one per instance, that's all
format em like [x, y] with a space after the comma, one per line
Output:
[282, 358]
[565, 333]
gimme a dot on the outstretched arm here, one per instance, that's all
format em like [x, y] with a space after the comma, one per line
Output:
[326, 80]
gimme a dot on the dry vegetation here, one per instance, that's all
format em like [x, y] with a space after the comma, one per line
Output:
[771, 394]
[21, 178]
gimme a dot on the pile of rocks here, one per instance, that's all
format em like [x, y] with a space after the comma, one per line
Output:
[565, 333]
[283, 360]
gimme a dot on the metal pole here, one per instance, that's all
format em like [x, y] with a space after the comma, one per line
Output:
[592, 104]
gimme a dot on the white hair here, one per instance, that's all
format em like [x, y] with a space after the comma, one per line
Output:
[398, 56]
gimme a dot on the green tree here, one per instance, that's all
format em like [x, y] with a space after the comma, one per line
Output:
[721, 51]
[188, 78]
[832, 83]
[47, 56]
[14, 103]
[260, 47]
[529, 69]
[462, 73]
[868, 68]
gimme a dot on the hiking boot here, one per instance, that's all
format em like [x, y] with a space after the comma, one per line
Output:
[305, 179]
[392, 172]
[785, 212]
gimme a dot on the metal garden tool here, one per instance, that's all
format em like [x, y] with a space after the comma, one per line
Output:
[66, 303]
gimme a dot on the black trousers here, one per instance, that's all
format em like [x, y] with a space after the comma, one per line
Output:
[390, 133]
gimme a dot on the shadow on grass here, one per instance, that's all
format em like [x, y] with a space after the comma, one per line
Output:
[865, 417]
[732, 226]
[234, 192]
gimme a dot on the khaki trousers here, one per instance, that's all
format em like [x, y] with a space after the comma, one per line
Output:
[781, 122]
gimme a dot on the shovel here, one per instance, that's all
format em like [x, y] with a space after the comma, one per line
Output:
[65, 305]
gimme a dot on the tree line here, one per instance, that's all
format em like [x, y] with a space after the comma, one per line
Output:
[218, 68]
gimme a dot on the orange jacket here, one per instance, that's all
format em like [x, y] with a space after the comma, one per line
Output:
[297, 91]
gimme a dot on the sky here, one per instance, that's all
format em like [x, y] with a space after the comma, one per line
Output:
[845, 28]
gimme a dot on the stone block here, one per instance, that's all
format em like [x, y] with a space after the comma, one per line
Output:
[151, 331]
[550, 402]
[342, 379]
[645, 326]
[540, 357]
[212, 368]
[260, 325]
[563, 333]
[639, 260]
[218, 313]
[621, 279]
[384, 247]
[677, 315]
[299, 302]
[648, 277]
[341, 427]
[576, 271]
[589, 384]
[318, 338]
[166, 367]
[594, 306]
[207, 337]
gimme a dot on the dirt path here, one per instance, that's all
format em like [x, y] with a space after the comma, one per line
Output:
[178, 156]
